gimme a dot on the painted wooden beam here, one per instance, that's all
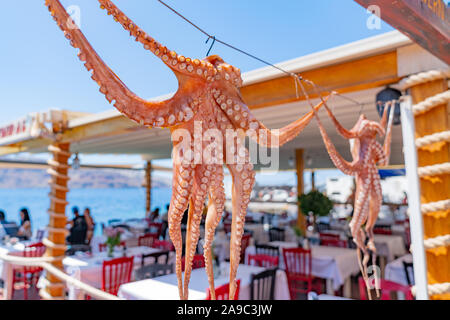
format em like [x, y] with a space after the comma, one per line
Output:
[359, 74]
[427, 22]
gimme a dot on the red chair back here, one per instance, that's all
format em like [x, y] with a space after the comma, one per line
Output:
[298, 261]
[407, 237]
[197, 262]
[382, 231]
[227, 226]
[263, 260]
[334, 243]
[245, 242]
[33, 251]
[147, 240]
[163, 244]
[116, 272]
[155, 227]
[102, 246]
[326, 236]
[223, 292]
[387, 287]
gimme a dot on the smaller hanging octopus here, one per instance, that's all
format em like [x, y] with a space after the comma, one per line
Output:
[367, 152]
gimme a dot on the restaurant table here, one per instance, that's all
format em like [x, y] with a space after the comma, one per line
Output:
[389, 246]
[88, 268]
[166, 288]
[131, 240]
[259, 234]
[395, 271]
[136, 226]
[334, 264]
[6, 268]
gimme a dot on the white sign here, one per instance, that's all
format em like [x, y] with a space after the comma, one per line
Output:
[20, 130]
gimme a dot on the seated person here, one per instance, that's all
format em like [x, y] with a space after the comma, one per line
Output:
[154, 215]
[7, 228]
[79, 228]
[25, 232]
[90, 224]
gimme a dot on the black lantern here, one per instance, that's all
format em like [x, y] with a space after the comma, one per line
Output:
[385, 96]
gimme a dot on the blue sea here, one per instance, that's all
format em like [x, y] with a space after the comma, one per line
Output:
[105, 204]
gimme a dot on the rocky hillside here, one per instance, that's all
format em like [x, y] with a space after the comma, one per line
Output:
[83, 178]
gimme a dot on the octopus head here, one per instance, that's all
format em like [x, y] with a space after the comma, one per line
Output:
[370, 129]
[224, 72]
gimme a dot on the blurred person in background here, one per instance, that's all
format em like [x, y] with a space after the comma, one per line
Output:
[90, 224]
[25, 231]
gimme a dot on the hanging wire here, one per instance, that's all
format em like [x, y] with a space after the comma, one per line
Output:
[297, 78]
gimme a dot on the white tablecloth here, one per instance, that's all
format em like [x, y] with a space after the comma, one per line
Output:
[88, 269]
[389, 246]
[332, 263]
[395, 271]
[165, 287]
[6, 269]
[130, 241]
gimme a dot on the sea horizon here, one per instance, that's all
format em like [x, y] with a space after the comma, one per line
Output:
[105, 203]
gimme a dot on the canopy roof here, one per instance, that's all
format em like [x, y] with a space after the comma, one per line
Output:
[359, 69]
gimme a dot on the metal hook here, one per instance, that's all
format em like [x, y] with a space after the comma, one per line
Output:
[212, 44]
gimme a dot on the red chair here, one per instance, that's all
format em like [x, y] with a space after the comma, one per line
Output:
[387, 287]
[326, 235]
[28, 275]
[263, 260]
[116, 272]
[157, 226]
[227, 226]
[382, 231]
[197, 262]
[245, 242]
[147, 240]
[163, 244]
[298, 263]
[102, 246]
[334, 243]
[222, 292]
[407, 237]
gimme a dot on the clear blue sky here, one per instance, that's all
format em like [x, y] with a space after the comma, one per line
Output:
[39, 70]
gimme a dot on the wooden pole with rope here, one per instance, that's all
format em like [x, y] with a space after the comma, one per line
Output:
[56, 241]
[300, 168]
[148, 187]
[430, 95]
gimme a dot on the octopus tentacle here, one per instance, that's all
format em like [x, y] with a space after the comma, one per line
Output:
[149, 113]
[374, 209]
[359, 218]
[216, 205]
[340, 163]
[380, 155]
[197, 203]
[240, 116]
[179, 63]
[348, 134]
[182, 180]
[243, 181]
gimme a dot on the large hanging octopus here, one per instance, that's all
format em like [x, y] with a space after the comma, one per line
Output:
[208, 99]
[367, 152]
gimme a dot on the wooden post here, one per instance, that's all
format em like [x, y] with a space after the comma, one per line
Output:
[148, 187]
[57, 224]
[437, 187]
[300, 167]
